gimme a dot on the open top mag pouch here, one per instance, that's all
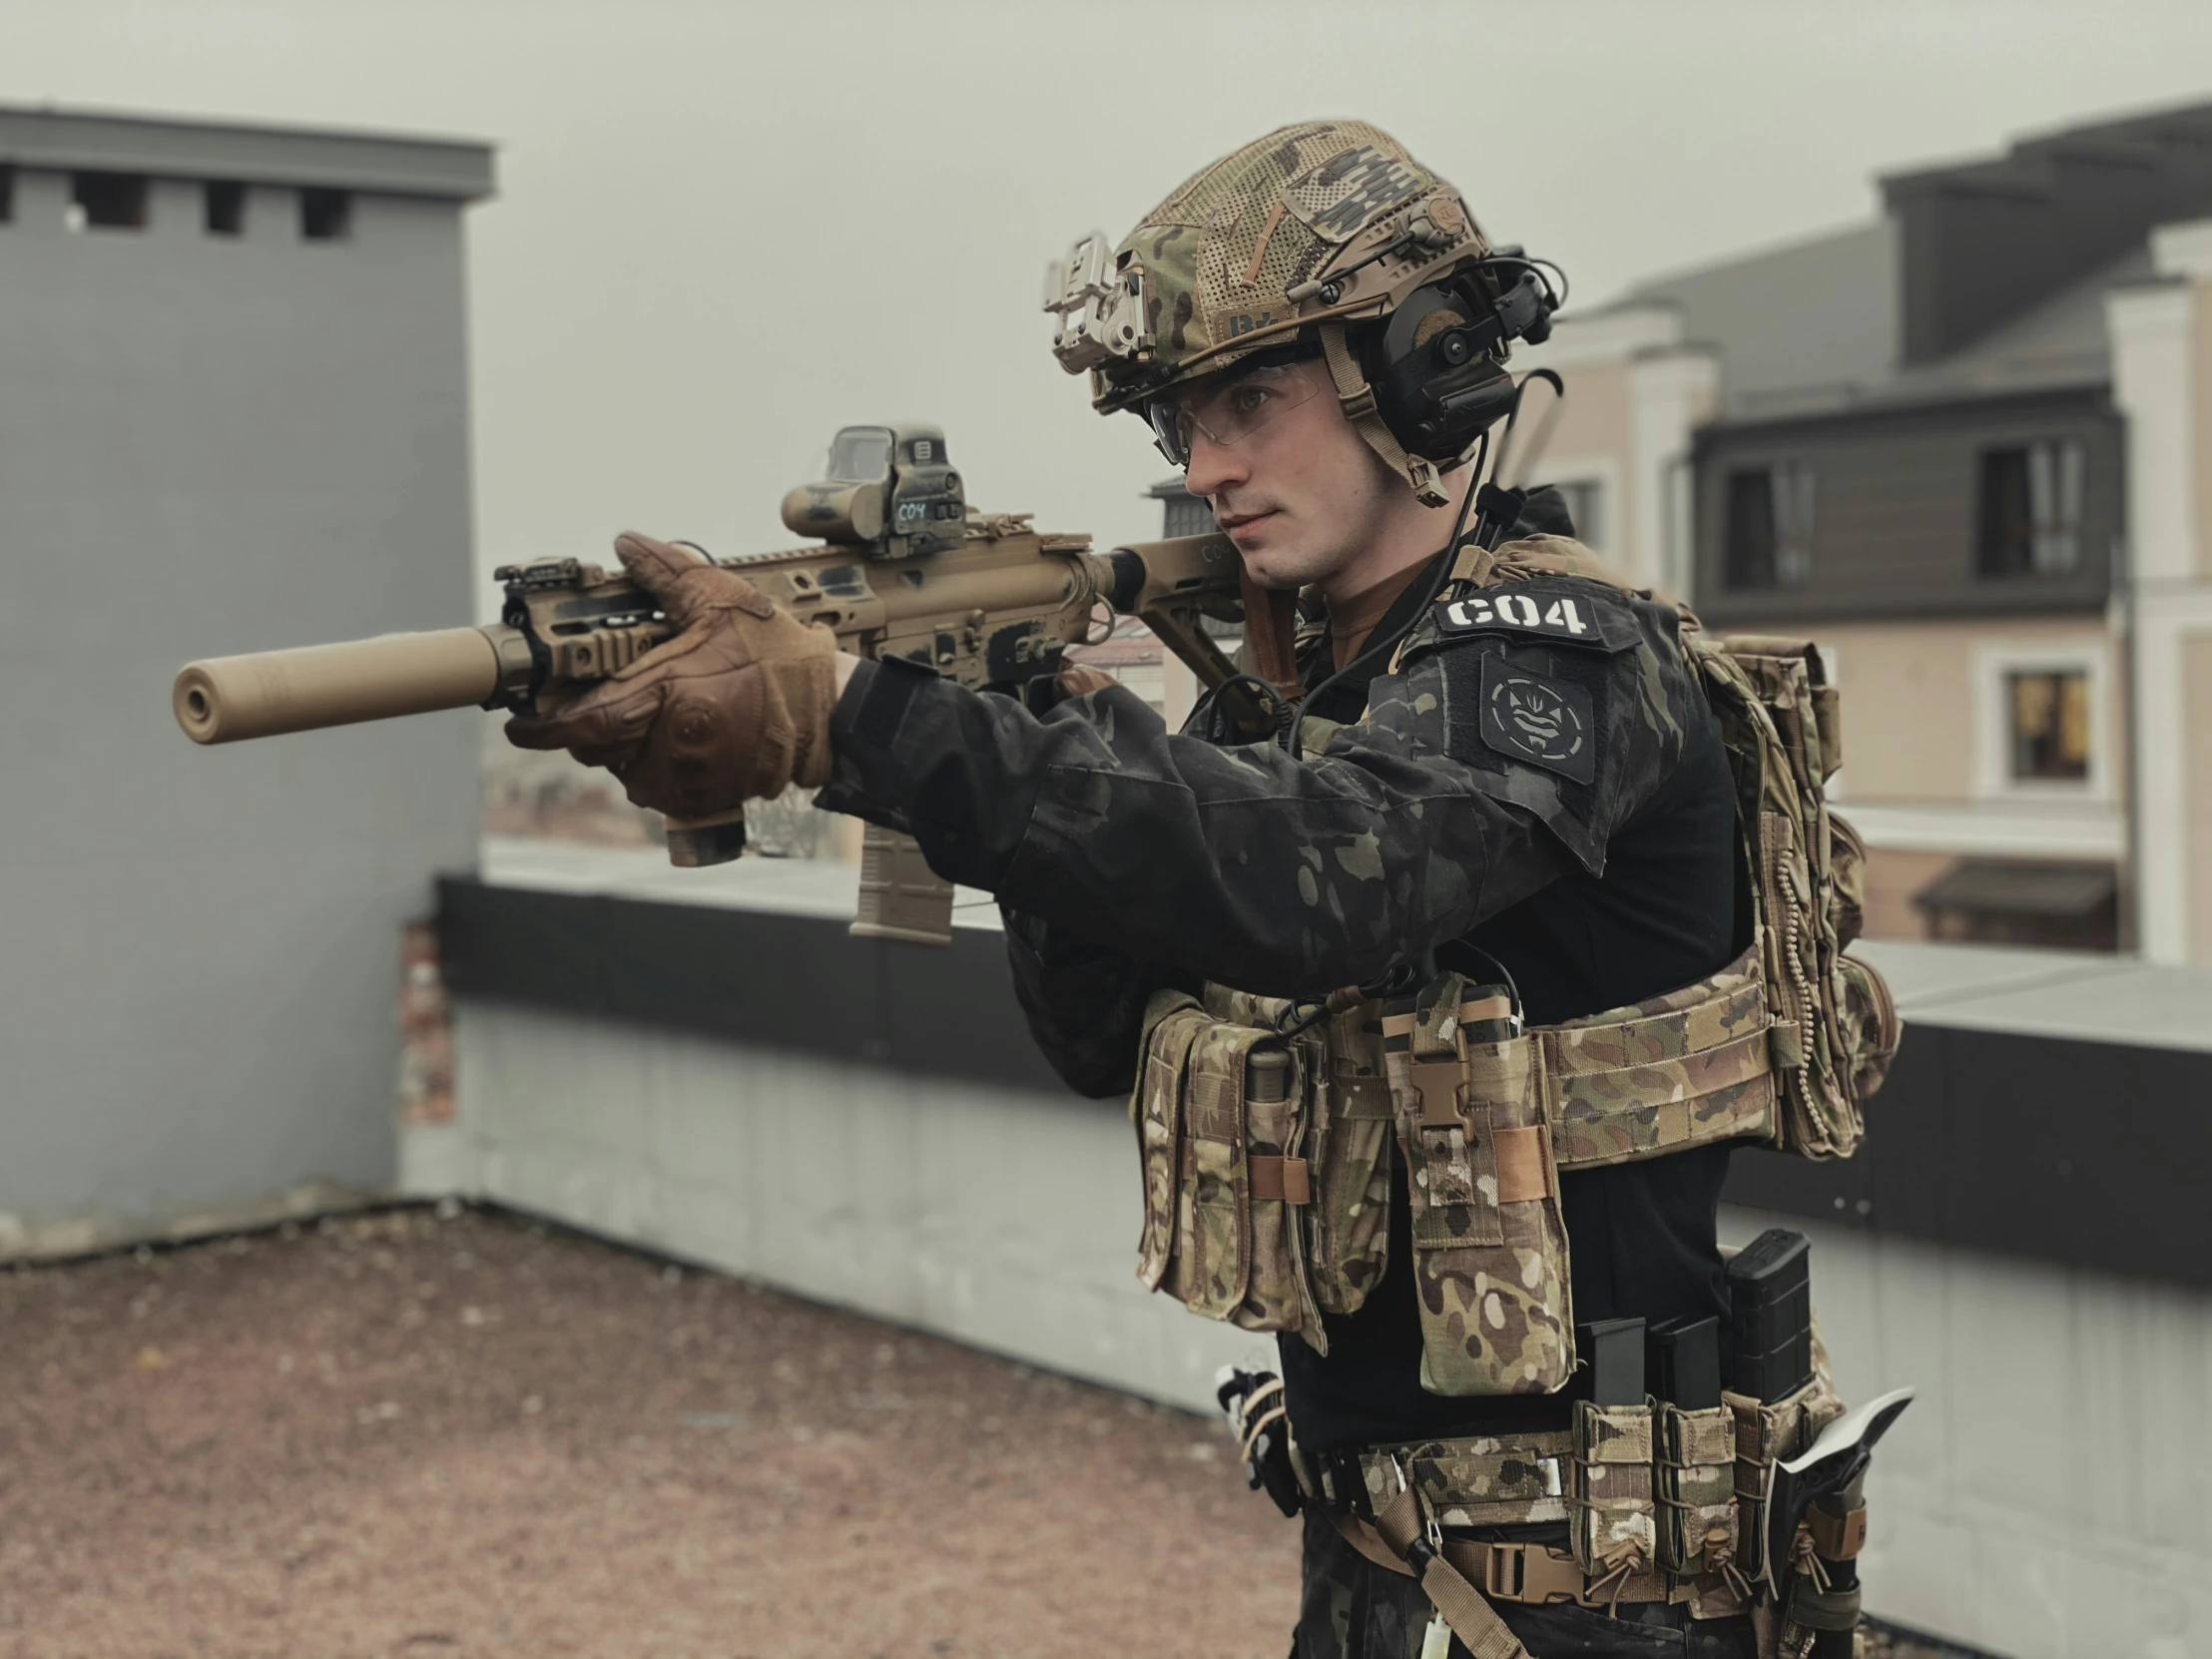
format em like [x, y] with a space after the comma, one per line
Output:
[1779, 1402]
[1223, 1116]
[1489, 1243]
[1696, 1448]
[1614, 1508]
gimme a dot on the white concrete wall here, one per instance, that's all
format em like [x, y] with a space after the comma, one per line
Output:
[2042, 1498]
[998, 1217]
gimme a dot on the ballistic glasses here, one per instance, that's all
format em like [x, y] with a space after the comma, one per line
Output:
[1229, 407]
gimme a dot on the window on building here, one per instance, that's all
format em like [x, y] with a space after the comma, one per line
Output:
[224, 203]
[1769, 526]
[325, 215]
[1586, 499]
[2048, 711]
[7, 194]
[107, 201]
[2031, 508]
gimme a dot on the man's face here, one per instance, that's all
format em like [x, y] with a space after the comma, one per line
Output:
[1290, 481]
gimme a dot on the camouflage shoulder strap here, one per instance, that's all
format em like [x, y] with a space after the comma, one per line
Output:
[1518, 561]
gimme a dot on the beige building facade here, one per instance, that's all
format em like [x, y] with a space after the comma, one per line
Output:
[1934, 704]
[2027, 677]
[2162, 381]
[1619, 450]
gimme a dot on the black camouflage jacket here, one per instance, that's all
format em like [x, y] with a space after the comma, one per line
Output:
[1521, 728]
[1539, 781]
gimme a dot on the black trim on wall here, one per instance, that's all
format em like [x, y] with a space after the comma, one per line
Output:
[793, 982]
[2089, 1155]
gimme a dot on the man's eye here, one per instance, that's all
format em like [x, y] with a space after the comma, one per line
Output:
[1248, 400]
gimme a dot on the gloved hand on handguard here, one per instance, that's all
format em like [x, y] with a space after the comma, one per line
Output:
[735, 707]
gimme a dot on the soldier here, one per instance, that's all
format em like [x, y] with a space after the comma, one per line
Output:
[1531, 792]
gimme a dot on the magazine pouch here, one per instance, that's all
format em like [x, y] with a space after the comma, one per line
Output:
[1222, 1113]
[1490, 1265]
[1615, 1510]
[1696, 1490]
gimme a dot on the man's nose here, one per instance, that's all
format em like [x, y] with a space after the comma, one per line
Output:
[1213, 467]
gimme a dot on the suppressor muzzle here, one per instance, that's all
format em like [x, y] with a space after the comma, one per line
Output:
[225, 699]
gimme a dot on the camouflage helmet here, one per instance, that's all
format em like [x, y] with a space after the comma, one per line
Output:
[1298, 235]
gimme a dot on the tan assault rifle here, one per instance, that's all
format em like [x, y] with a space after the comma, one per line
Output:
[904, 569]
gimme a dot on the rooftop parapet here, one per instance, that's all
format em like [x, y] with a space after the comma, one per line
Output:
[458, 169]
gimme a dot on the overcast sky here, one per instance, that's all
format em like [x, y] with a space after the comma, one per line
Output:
[723, 230]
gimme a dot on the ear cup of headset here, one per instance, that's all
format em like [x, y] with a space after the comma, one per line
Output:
[1434, 366]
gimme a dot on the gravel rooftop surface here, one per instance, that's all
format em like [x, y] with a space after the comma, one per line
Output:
[408, 1434]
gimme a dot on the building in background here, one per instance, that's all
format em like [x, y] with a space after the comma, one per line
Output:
[1181, 512]
[234, 415]
[1961, 447]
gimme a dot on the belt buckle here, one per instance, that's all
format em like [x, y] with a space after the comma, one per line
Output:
[1535, 1574]
[1506, 1562]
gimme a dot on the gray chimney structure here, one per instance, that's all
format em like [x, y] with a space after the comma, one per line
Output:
[234, 415]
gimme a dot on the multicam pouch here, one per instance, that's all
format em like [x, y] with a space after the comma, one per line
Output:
[1354, 1118]
[1348, 1129]
[1172, 1023]
[1615, 1511]
[1506, 1480]
[1489, 1244]
[1696, 1490]
[1221, 1114]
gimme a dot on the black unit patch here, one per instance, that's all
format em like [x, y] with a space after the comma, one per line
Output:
[1531, 716]
[1558, 613]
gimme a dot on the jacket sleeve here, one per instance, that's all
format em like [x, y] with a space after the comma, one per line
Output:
[1084, 1003]
[1276, 876]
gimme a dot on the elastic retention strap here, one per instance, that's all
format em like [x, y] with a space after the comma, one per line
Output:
[1358, 399]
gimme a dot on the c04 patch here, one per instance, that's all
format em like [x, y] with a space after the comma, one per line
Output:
[1538, 720]
[1558, 613]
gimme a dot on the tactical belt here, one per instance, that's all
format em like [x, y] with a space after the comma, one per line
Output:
[1464, 1577]
[1416, 1492]
[1530, 1574]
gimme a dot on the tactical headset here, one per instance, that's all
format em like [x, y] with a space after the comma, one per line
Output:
[1436, 361]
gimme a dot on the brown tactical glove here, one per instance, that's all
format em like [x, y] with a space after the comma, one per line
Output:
[734, 708]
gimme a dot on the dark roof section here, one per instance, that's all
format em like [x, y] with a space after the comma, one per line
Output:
[1814, 320]
[388, 162]
[1984, 241]
[1986, 277]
